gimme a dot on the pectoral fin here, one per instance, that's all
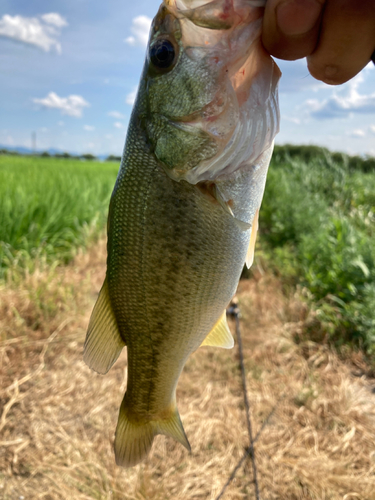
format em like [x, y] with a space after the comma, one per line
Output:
[253, 238]
[103, 342]
[244, 226]
[220, 335]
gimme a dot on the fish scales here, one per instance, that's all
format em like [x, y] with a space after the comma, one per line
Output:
[180, 274]
[183, 215]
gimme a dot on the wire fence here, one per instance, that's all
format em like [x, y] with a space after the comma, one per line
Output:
[234, 312]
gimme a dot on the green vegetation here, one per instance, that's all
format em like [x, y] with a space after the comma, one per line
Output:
[49, 207]
[318, 231]
[317, 226]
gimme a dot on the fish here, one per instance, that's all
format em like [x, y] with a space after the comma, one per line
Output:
[183, 215]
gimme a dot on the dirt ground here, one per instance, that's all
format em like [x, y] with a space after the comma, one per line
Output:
[57, 418]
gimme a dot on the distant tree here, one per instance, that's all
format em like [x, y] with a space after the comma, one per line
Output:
[88, 156]
[113, 158]
[45, 154]
[366, 164]
[63, 155]
[369, 164]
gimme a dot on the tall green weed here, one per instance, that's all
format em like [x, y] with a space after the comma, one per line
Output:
[318, 213]
[49, 207]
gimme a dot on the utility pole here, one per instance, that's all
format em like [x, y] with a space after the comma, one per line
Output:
[33, 142]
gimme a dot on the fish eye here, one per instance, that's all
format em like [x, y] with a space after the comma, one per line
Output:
[162, 54]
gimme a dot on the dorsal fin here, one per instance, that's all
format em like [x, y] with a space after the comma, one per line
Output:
[103, 342]
[253, 238]
[220, 335]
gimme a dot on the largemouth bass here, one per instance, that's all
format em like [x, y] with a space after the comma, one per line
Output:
[183, 215]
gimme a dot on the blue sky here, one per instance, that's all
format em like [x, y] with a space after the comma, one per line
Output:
[69, 70]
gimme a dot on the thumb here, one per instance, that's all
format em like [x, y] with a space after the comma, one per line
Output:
[291, 27]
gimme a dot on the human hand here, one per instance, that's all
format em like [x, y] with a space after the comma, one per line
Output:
[336, 36]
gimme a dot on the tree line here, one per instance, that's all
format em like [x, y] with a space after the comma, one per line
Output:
[64, 155]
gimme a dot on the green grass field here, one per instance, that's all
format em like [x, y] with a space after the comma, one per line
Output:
[49, 207]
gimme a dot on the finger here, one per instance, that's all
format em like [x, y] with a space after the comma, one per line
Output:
[346, 42]
[291, 27]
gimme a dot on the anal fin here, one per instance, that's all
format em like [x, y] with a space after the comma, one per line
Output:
[253, 238]
[220, 335]
[103, 342]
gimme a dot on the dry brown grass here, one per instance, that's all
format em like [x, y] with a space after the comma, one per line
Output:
[57, 418]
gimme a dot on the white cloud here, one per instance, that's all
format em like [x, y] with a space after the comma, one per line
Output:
[118, 125]
[55, 19]
[357, 134]
[140, 31]
[116, 114]
[130, 98]
[342, 103]
[89, 128]
[372, 129]
[311, 105]
[9, 141]
[72, 105]
[292, 119]
[41, 32]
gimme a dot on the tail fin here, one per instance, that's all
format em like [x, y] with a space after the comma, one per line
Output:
[133, 440]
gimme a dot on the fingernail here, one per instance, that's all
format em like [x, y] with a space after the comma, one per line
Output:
[297, 17]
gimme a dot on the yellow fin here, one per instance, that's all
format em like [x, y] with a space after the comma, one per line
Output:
[133, 440]
[244, 226]
[103, 342]
[220, 335]
[173, 427]
[253, 238]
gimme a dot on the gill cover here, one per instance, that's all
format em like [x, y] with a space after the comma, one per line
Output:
[214, 109]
